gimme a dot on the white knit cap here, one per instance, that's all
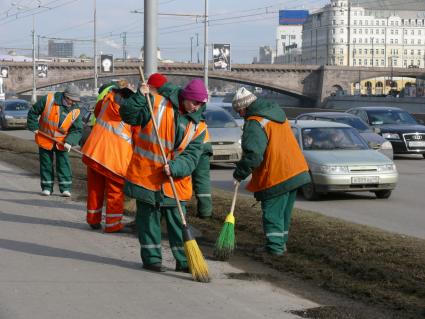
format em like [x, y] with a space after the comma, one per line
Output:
[242, 99]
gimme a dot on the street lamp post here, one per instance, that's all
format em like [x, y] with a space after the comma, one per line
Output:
[150, 37]
[206, 45]
[94, 49]
[191, 49]
[34, 84]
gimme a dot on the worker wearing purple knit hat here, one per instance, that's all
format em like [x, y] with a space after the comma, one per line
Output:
[183, 132]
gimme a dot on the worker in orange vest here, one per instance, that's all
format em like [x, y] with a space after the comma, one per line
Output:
[178, 113]
[57, 116]
[271, 154]
[107, 153]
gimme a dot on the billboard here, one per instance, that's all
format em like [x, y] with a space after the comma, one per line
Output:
[4, 71]
[292, 17]
[106, 63]
[221, 57]
[42, 70]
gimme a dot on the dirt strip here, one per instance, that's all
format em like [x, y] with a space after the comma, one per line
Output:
[381, 270]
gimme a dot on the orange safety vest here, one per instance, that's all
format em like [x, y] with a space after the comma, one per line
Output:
[49, 124]
[146, 166]
[109, 143]
[282, 160]
[207, 136]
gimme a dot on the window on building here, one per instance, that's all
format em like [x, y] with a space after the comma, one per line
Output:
[405, 41]
[341, 40]
[392, 22]
[405, 32]
[377, 51]
[405, 51]
[377, 22]
[283, 37]
[392, 41]
[365, 22]
[354, 51]
[360, 22]
[355, 22]
[341, 30]
[354, 40]
[360, 31]
[392, 32]
[396, 23]
[383, 31]
[412, 41]
[405, 63]
[382, 62]
[383, 41]
[376, 62]
[396, 32]
[365, 61]
[419, 32]
[360, 51]
[419, 52]
[412, 52]
[366, 31]
[354, 61]
[382, 51]
[419, 41]
[333, 22]
[293, 37]
[395, 62]
[355, 31]
[342, 22]
[396, 41]
[411, 62]
[341, 61]
[341, 51]
[383, 22]
[360, 61]
[419, 63]
[412, 32]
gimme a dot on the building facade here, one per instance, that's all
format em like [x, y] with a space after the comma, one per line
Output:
[289, 36]
[351, 34]
[60, 49]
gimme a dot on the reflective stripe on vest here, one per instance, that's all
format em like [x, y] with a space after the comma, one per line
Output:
[110, 142]
[282, 159]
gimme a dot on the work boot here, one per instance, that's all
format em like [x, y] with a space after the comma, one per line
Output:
[154, 267]
[66, 194]
[180, 268]
[45, 192]
[95, 226]
[264, 250]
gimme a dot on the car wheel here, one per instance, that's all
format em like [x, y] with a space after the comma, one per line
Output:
[309, 192]
[423, 155]
[383, 194]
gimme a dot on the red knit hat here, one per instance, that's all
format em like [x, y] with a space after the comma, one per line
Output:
[157, 80]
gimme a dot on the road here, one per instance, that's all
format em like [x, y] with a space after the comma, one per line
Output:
[402, 213]
[53, 266]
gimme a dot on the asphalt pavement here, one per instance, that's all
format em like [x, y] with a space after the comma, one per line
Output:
[53, 266]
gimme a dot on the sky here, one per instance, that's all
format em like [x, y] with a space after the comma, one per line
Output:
[244, 24]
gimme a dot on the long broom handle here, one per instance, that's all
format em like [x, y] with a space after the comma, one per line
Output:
[232, 208]
[59, 142]
[164, 156]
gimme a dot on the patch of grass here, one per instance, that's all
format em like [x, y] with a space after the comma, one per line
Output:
[363, 263]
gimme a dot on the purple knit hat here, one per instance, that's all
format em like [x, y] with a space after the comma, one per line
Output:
[195, 91]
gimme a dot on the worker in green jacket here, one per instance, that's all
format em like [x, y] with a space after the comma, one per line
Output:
[202, 182]
[56, 116]
[271, 154]
[176, 110]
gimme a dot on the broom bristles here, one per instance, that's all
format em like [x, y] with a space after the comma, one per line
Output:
[196, 262]
[225, 244]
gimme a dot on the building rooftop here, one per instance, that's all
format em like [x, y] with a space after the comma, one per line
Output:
[412, 5]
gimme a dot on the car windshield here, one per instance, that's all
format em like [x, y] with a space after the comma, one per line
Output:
[232, 111]
[332, 138]
[17, 106]
[355, 122]
[380, 117]
[219, 119]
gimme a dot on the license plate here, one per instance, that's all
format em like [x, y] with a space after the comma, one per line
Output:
[365, 180]
[417, 144]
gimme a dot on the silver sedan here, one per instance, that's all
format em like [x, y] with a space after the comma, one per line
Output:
[340, 160]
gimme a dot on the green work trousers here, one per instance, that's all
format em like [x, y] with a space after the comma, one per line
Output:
[63, 169]
[202, 186]
[277, 213]
[148, 221]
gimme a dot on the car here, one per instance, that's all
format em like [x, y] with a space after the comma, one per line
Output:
[13, 113]
[87, 109]
[225, 135]
[229, 108]
[340, 160]
[374, 140]
[396, 125]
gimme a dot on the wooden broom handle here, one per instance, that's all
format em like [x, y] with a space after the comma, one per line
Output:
[59, 142]
[232, 209]
[164, 156]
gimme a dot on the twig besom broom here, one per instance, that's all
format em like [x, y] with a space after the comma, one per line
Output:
[225, 244]
[196, 262]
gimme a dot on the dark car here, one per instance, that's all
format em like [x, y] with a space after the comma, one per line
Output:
[375, 141]
[397, 125]
[13, 113]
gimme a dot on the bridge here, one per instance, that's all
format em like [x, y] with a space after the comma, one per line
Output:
[311, 82]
